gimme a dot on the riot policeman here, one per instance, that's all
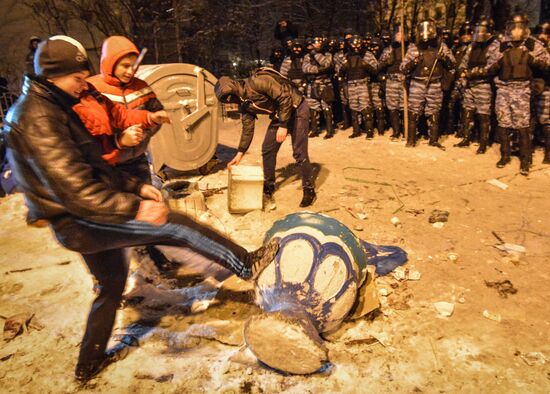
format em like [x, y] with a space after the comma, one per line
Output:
[425, 62]
[356, 69]
[390, 60]
[514, 62]
[478, 91]
[318, 67]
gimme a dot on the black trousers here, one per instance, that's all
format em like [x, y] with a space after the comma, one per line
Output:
[298, 129]
[102, 248]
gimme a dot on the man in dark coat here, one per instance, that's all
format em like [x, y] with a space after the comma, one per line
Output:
[267, 92]
[93, 208]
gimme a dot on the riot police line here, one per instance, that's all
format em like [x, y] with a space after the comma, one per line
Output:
[482, 85]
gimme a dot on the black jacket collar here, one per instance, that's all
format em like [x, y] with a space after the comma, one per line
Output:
[42, 87]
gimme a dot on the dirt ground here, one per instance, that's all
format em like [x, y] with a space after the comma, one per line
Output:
[190, 334]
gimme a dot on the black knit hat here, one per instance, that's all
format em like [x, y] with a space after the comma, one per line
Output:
[60, 55]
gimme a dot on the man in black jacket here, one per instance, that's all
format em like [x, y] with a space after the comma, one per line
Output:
[93, 208]
[269, 93]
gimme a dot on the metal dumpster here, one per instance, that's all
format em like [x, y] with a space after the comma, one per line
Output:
[187, 93]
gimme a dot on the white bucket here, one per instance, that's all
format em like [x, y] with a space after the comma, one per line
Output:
[245, 188]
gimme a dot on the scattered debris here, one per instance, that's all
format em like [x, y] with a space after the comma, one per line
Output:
[363, 341]
[497, 237]
[193, 205]
[497, 183]
[395, 221]
[492, 316]
[445, 309]
[158, 379]
[357, 215]
[511, 248]
[18, 324]
[384, 292]
[402, 273]
[415, 212]
[438, 216]
[534, 358]
[453, 257]
[504, 287]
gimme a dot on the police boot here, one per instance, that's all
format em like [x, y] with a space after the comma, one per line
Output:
[413, 124]
[467, 126]
[546, 132]
[368, 122]
[505, 148]
[380, 124]
[395, 121]
[314, 123]
[308, 198]
[345, 117]
[461, 127]
[525, 151]
[434, 132]
[484, 125]
[328, 121]
[355, 124]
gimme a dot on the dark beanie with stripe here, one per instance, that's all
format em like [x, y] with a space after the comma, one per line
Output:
[60, 55]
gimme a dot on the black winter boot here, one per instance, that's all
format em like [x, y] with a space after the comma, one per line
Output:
[314, 123]
[395, 121]
[380, 123]
[505, 148]
[355, 124]
[329, 125]
[484, 130]
[525, 151]
[433, 130]
[308, 198]
[546, 133]
[467, 127]
[346, 124]
[368, 122]
[413, 124]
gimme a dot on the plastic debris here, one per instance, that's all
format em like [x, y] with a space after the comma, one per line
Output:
[18, 324]
[534, 358]
[438, 225]
[492, 316]
[384, 258]
[445, 309]
[395, 221]
[438, 216]
[453, 257]
[401, 273]
[497, 183]
[511, 248]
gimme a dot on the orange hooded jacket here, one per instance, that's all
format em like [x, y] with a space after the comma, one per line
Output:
[136, 94]
[104, 119]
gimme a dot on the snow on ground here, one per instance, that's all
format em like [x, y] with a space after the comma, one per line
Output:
[190, 331]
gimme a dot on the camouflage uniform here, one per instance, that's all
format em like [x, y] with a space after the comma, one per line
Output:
[424, 98]
[356, 69]
[292, 69]
[390, 60]
[478, 91]
[513, 64]
[339, 60]
[318, 66]
[542, 109]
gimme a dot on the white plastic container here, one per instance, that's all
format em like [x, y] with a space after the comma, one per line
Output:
[245, 188]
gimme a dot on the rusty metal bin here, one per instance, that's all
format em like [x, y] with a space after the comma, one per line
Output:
[187, 93]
